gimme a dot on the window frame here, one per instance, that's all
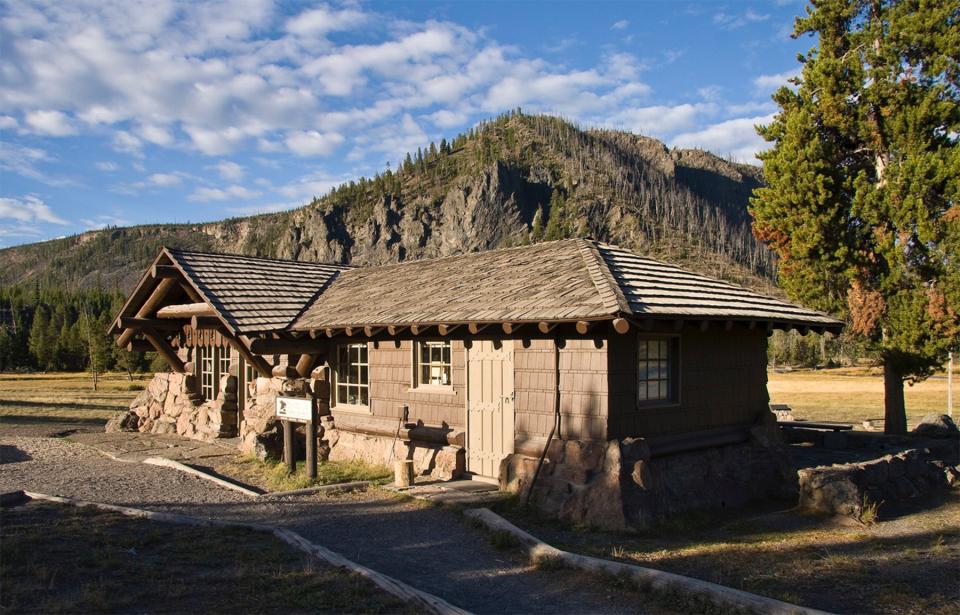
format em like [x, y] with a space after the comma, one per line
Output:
[417, 383]
[672, 380]
[208, 354]
[335, 389]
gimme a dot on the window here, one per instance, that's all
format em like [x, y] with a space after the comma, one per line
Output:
[214, 365]
[657, 370]
[432, 364]
[353, 379]
[208, 376]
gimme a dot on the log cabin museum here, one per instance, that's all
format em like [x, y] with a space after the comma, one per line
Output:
[613, 388]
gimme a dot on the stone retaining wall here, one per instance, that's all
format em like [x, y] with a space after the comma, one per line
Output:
[619, 484]
[170, 405]
[849, 489]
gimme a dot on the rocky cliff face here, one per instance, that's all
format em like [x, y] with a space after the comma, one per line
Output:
[511, 181]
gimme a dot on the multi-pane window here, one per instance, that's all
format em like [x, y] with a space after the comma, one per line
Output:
[214, 365]
[353, 378]
[656, 365]
[208, 375]
[433, 363]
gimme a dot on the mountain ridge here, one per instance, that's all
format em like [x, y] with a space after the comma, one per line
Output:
[511, 180]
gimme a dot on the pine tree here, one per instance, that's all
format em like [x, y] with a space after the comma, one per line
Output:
[863, 180]
[41, 345]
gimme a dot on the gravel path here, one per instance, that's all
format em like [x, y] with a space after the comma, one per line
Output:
[429, 547]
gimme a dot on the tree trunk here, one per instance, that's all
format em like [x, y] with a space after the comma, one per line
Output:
[894, 410]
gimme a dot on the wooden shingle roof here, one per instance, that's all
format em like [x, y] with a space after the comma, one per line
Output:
[566, 280]
[254, 294]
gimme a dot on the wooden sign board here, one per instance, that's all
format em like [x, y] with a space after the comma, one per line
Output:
[296, 409]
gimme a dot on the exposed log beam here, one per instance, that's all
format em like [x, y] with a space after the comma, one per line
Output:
[418, 329]
[511, 327]
[164, 271]
[349, 331]
[206, 323]
[446, 329]
[621, 325]
[546, 327]
[166, 351]
[475, 328]
[395, 330]
[583, 327]
[149, 323]
[285, 371]
[305, 364]
[242, 347]
[371, 331]
[194, 296]
[186, 310]
[156, 298]
[301, 346]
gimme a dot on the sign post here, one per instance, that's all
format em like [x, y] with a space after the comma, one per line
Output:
[291, 410]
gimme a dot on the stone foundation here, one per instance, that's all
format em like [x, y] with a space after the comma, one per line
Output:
[619, 484]
[170, 405]
[848, 489]
[433, 460]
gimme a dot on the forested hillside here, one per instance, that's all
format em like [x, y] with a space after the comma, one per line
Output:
[512, 180]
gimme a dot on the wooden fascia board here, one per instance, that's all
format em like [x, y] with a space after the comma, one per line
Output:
[140, 293]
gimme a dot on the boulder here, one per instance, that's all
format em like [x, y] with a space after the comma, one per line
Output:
[123, 421]
[937, 426]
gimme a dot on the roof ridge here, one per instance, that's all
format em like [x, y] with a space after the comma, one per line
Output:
[610, 292]
[344, 266]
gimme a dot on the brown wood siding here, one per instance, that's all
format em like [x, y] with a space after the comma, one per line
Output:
[723, 381]
[391, 386]
[583, 390]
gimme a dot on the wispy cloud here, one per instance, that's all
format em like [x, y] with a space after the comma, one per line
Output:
[222, 194]
[734, 21]
[29, 209]
[767, 84]
[736, 138]
[622, 24]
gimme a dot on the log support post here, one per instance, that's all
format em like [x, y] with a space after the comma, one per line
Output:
[155, 298]
[166, 351]
[289, 443]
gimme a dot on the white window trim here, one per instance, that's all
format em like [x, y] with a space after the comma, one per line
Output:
[674, 366]
[416, 386]
[339, 406]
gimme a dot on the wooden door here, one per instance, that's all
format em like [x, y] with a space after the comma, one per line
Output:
[490, 406]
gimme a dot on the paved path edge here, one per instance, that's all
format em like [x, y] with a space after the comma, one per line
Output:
[658, 581]
[428, 602]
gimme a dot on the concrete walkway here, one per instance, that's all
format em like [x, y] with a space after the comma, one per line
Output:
[429, 547]
[136, 447]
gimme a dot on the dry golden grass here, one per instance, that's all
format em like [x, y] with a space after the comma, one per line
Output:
[854, 395]
[904, 565]
[66, 396]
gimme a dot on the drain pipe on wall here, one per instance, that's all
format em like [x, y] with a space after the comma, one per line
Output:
[556, 420]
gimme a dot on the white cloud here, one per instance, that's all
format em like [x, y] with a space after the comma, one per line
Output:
[230, 170]
[620, 25]
[164, 180]
[104, 220]
[320, 21]
[767, 84]
[309, 186]
[106, 166]
[660, 120]
[222, 194]
[7, 122]
[313, 143]
[444, 118]
[731, 22]
[53, 123]
[29, 210]
[737, 138]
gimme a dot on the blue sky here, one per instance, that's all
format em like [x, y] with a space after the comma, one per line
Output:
[165, 111]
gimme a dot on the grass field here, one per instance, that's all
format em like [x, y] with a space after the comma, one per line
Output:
[67, 397]
[854, 394]
[67, 560]
[845, 394]
[905, 565]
